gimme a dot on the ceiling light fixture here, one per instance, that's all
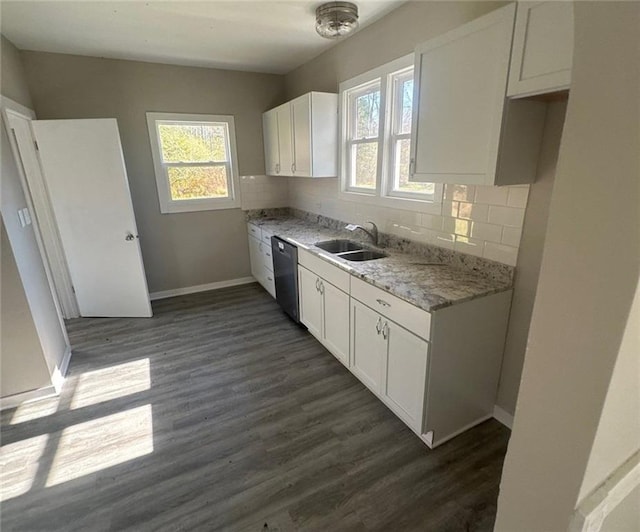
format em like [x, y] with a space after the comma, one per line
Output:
[336, 19]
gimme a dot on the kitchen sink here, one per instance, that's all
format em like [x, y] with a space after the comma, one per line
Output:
[362, 255]
[339, 246]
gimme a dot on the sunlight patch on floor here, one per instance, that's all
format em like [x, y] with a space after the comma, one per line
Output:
[111, 382]
[35, 409]
[101, 443]
[19, 463]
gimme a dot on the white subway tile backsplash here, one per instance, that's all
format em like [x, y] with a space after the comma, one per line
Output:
[518, 197]
[450, 208]
[511, 236]
[459, 192]
[469, 245]
[501, 253]
[473, 211]
[489, 232]
[431, 221]
[509, 216]
[492, 195]
[481, 221]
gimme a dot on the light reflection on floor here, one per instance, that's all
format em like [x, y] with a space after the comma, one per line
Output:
[101, 443]
[19, 464]
[111, 382]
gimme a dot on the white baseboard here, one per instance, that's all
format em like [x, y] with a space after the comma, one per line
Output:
[200, 288]
[503, 416]
[17, 399]
[60, 372]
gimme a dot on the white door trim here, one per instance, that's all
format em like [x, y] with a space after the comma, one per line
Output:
[39, 204]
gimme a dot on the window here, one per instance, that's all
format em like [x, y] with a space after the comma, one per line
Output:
[195, 161]
[377, 112]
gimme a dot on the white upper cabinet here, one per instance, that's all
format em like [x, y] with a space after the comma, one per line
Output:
[271, 148]
[542, 48]
[464, 130]
[304, 141]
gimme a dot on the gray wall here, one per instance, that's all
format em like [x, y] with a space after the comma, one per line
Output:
[42, 339]
[396, 35]
[14, 81]
[588, 281]
[22, 365]
[179, 250]
[391, 37]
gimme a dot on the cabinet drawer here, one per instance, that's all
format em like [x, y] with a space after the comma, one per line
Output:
[254, 230]
[265, 252]
[266, 237]
[337, 277]
[407, 315]
[268, 281]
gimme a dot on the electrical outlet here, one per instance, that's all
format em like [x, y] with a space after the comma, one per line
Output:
[27, 216]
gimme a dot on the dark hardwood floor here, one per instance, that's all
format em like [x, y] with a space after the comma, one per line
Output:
[221, 414]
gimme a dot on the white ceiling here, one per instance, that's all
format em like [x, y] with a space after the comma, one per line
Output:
[259, 36]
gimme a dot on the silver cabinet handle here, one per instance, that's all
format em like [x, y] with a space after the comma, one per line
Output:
[293, 168]
[379, 325]
[269, 279]
[321, 287]
[317, 285]
[385, 330]
[383, 303]
[129, 237]
[277, 168]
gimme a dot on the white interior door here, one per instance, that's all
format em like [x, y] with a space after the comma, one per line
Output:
[85, 174]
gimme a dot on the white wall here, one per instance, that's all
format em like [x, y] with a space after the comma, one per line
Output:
[588, 279]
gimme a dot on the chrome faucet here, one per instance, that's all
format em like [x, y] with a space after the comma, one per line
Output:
[373, 234]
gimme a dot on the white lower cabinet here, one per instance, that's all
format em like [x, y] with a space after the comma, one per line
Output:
[405, 375]
[437, 371]
[391, 362]
[261, 260]
[324, 309]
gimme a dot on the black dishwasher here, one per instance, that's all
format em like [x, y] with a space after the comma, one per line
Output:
[285, 269]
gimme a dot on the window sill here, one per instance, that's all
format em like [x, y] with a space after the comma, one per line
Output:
[188, 206]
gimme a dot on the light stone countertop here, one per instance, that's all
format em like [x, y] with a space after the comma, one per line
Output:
[410, 277]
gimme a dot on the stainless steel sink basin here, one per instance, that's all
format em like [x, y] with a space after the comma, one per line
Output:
[339, 246]
[362, 255]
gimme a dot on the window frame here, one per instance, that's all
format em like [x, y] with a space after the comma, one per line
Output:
[169, 205]
[383, 194]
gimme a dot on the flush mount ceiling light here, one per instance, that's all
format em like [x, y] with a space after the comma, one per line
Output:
[336, 19]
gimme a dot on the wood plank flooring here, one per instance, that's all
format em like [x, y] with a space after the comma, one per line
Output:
[219, 413]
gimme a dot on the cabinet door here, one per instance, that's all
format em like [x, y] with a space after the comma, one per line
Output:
[335, 321]
[367, 346]
[405, 374]
[255, 256]
[460, 94]
[270, 135]
[285, 139]
[310, 301]
[542, 48]
[301, 118]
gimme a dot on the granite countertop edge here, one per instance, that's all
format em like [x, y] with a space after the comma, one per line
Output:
[429, 290]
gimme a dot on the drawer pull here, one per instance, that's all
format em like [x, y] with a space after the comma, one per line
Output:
[383, 303]
[379, 325]
[385, 330]
[269, 279]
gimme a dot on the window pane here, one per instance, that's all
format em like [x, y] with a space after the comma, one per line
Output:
[367, 115]
[197, 182]
[401, 171]
[364, 165]
[406, 88]
[191, 143]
